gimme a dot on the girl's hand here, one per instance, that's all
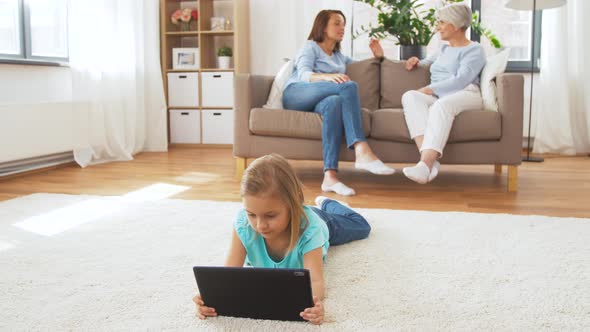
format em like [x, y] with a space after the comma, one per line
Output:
[426, 90]
[203, 311]
[412, 62]
[376, 48]
[315, 314]
[336, 78]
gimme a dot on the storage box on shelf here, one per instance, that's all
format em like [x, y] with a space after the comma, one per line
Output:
[218, 89]
[183, 90]
[185, 126]
[200, 99]
[218, 126]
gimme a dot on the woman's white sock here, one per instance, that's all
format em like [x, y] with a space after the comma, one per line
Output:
[418, 173]
[434, 171]
[375, 167]
[339, 188]
[320, 200]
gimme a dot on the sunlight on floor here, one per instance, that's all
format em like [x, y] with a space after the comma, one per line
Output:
[72, 216]
[197, 178]
[154, 192]
[69, 217]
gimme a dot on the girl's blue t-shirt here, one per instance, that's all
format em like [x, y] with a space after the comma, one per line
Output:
[314, 236]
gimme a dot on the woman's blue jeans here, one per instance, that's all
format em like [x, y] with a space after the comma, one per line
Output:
[340, 108]
[344, 224]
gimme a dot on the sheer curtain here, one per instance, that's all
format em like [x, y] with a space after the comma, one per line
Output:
[562, 102]
[117, 86]
[278, 29]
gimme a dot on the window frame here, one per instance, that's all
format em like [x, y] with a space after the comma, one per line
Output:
[25, 56]
[519, 66]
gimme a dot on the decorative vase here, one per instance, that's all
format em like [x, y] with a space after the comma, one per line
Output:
[224, 62]
[185, 26]
[408, 51]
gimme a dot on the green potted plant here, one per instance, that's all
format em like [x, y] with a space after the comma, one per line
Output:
[224, 55]
[412, 26]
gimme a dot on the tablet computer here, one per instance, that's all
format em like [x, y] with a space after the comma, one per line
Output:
[259, 293]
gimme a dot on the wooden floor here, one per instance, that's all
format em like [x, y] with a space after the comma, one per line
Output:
[558, 187]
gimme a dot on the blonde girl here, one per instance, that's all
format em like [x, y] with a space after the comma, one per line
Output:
[275, 229]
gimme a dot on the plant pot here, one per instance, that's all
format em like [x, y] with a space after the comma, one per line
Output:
[185, 26]
[408, 51]
[224, 62]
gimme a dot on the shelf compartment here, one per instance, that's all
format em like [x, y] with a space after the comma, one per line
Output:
[182, 33]
[218, 33]
[205, 70]
[170, 7]
[209, 46]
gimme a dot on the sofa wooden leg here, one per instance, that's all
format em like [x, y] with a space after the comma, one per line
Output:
[512, 178]
[241, 164]
[498, 169]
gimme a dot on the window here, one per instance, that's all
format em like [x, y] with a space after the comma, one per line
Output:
[364, 14]
[513, 28]
[34, 30]
[10, 28]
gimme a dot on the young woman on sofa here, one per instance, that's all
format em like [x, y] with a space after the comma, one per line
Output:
[454, 88]
[318, 84]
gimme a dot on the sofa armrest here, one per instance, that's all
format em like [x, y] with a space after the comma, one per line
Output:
[251, 91]
[510, 94]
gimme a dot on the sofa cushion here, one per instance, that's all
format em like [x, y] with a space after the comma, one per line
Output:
[366, 74]
[390, 125]
[396, 79]
[297, 124]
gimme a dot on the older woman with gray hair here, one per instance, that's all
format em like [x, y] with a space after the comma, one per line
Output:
[454, 88]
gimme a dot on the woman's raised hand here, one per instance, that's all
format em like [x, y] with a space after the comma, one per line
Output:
[202, 310]
[376, 48]
[412, 62]
[315, 314]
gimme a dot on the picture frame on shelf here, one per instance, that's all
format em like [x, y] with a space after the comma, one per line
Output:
[185, 58]
[217, 23]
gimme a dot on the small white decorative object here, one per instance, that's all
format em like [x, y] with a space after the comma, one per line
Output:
[217, 23]
[185, 58]
[224, 62]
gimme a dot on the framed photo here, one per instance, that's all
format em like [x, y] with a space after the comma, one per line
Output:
[217, 23]
[185, 58]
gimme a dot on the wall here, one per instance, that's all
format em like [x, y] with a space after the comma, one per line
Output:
[278, 28]
[35, 111]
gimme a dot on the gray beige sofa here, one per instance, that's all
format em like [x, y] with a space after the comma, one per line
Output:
[477, 137]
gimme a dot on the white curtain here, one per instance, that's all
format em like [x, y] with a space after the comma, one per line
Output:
[117, 86]
[278, 28]
[562, 102]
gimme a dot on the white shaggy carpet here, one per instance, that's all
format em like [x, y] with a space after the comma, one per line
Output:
[100, 263]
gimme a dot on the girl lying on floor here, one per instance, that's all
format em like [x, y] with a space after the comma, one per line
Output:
[276, 230]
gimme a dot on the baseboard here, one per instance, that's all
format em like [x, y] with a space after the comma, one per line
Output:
[21, 167]
[200, 146]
